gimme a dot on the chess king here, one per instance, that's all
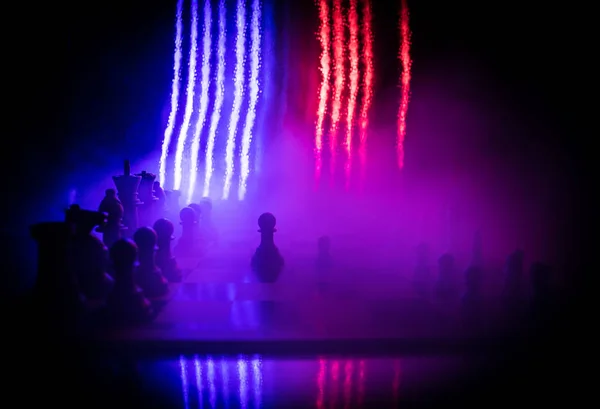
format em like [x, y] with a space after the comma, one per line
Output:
[267, 263]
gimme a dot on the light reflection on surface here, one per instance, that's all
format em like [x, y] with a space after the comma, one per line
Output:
[321, 383]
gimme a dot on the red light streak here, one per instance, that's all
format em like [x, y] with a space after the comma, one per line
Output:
[354, 60]
[324, 34]
[406, 62]
[367, 85]
[338, 86]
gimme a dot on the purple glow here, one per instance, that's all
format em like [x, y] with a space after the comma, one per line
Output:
[204, 85]
[238, 97]
[254, 93]
[216, 114]
[225, 380]
[174, 94]
[189, 104]
[257, 377]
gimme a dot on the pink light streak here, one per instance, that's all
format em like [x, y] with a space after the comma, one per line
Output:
[174, 94]
[324, 34]
[189, 107]
[321, 384]
[219, 97]
[406, 63]
[367, 86]
[204, 86]
[338, 85]
[354, 60]
[348, 373]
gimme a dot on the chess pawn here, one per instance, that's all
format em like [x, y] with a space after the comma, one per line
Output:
[445, 286]
[208, 232]
[472, 300]
[111, 205]
[189, 226]
[164, 260]
[422, 272]
[127, 304]
[267, 263]
[147, 275]
[89, 255]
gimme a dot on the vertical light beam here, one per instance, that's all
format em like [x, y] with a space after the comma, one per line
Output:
[321, 384]
[354, 60]
[338, 84]
[406, 63]
[184, 381]
[367, 86]
[243, 374]
[219, 96]
[257, 381]
[254, 93]
[348, 374]
[238, 96]
[210, 368]
[335, 375]
[189, 103]
[174, 94]
[198, 370]
[204, 86]
[324, 34]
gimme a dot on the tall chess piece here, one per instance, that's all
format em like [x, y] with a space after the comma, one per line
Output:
[126, 304]
[56, 289]
[88, 254]
[127, 187]
[186, 245]
[164, 260]
[161, 199]
[147, 275]
[267, 263]
[147, 208]
[208, 231]
[472, 304]
[445, 289]
[111, 205]
[422, 272]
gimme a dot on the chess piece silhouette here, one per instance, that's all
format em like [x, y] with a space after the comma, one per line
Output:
[126, 304]
[147, 275]
[208, 232]
[164, 260]
[422, 271]
[472, 304]
[161, 199]
[147, 208]
[267, 263]
[56, 290]
[89, 255]
[445, 288]
[127, 188]
[111, 205]
[186, 245]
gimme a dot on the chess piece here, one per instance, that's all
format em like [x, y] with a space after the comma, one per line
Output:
[189, 226]
[422, 272]
[164, 260]
[56, 289]
[147, 275]
[161, 199]
[208, 232]
[111, 205]
[127, 188]
[147, 206]
[267, 263]
[126, 304]
[445, 288]
[472, 304]
[88, 254]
